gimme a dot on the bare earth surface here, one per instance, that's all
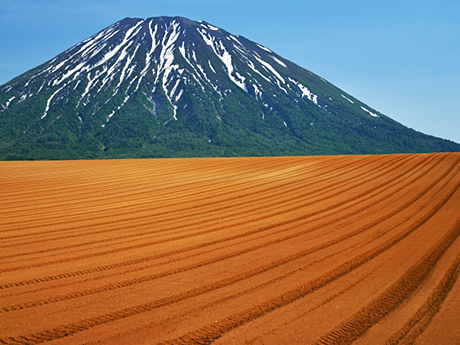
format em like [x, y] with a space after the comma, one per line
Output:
[280, 250]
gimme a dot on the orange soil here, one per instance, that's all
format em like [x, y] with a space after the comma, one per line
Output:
[321, 250]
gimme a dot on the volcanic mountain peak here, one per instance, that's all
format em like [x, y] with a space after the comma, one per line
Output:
[164, 50]
[170, 86]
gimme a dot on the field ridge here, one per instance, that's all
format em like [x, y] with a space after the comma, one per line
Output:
[262, 250]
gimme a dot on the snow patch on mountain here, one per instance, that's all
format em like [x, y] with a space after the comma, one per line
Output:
[212, 68]
[253, 67]
[264, 48]
[349, 100]
[132, 55]
[279, 61]
[221, 52]
[305, 91]
[8, 102]
[149, 55]
[166, 65]
[210, 27]
[48, 102]
[257, 91]
[270, 68]
[369, 112]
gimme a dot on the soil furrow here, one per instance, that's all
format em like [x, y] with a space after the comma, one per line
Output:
[422, 317]
[99, 269]
[395, 295]
[147, 244]
[209, 333]
[261, 250]
[215, 209]
[160, 215]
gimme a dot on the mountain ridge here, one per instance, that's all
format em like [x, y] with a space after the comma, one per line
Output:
[172, 87]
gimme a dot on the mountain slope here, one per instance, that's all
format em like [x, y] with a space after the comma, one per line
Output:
[168, 87]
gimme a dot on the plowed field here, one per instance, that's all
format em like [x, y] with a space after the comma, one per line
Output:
[279, 250]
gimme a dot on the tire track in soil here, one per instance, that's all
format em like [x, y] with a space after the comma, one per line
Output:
[422, 317]
[355, 327]
[392, 297]
[141, 186]
[65, 276]
[163, 274]
[282, 192]
[319, 305]
[62, 276]
[132, 262]
[260, 286]
[56, 299]
[197, 265]
[242, 223]
[182, 269]
[126, 210]
[5, 286]
[64, 191]
[209, 333]
[128, 220]
[254, 174]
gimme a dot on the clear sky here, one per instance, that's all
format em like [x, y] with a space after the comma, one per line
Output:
[401, 58]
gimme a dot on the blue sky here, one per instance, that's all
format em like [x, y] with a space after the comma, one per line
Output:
[401, 58]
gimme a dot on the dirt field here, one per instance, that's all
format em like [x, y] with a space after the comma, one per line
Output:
[284, 250]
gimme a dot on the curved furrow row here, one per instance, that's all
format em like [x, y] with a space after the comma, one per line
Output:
[348, 216]
[111, 171]
[285, 189]
[212, 304]
[144, 279]
[413, 328]
[200, 223]
[395, 295]
[200, 196]
[208, 333]
[199, 250]
[162, 187]
[197, 265]
[138, 190]
[248, 233]
[361, 322]
[124, 238]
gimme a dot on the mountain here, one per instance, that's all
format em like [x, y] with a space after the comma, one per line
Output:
[172, 87]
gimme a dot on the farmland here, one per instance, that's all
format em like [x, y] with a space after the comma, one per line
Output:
[260, 250]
